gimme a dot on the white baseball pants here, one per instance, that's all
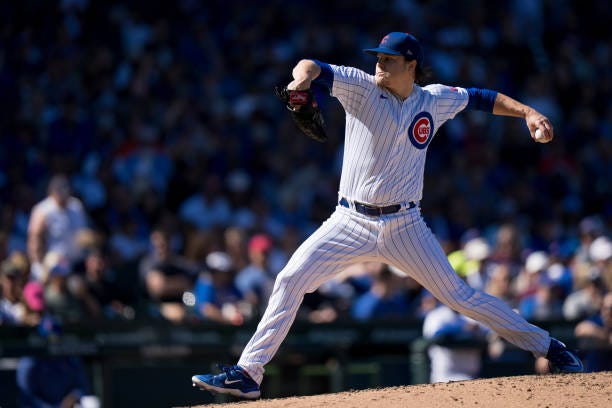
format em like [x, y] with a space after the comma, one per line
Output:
[402, 240]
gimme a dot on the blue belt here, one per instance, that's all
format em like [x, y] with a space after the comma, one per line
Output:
[372, 210]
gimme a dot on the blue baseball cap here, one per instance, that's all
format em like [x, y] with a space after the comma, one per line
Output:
[397, 43]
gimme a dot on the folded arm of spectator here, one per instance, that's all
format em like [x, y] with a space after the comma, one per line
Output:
[593, 331]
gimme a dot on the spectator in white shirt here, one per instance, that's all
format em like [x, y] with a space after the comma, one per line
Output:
[55, 224]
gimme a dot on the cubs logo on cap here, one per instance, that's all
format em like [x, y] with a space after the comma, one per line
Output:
[421, 130]
[397, 43]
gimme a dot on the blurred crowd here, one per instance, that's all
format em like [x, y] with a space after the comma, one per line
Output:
[147, 171]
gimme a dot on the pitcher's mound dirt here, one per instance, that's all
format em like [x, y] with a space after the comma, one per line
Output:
[553, 391]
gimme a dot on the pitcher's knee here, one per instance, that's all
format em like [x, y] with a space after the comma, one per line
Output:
[297, 280]
[461, 300]
[288, 279]
[285, 278]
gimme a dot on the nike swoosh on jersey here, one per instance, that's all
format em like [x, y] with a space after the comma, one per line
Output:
[383, 96]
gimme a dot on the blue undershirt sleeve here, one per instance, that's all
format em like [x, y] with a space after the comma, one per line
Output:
[481, 99]
[326, 77]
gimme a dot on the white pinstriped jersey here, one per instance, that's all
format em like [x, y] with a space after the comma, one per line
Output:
[386, 138]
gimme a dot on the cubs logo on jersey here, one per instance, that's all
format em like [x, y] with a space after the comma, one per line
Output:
[421, 130]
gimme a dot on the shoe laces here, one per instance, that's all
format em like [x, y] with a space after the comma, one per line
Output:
[230, 371]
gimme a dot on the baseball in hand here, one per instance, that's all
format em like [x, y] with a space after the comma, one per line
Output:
[539, 136]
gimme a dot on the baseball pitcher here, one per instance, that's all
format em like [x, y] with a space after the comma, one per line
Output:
[390, 122]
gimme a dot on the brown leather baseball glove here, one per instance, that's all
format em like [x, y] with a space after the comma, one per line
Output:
[304, 111]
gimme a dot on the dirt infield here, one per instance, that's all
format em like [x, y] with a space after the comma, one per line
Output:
[571, 391]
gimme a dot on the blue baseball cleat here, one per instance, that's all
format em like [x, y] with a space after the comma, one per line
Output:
[233, 380]
[561, 360]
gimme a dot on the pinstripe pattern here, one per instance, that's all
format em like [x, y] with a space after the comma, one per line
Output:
[383, 165]
[341, 241]
[409, 245]
[380, 164]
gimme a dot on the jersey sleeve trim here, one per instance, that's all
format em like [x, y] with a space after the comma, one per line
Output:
[481, 99]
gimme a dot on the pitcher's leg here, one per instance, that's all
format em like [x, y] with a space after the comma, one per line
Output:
[415, 250]
[332, 248]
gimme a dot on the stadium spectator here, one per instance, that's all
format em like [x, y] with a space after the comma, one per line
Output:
[500, 285]
[590, 228]
[600, 252]
[12, 281]
[54, 225]
[560, 275]
[507, 248]
[546, 303]
[200, 243]
[175, 269]
[385, 299]
[127, 244]
[235, 244]
[34, 300]
[167, 276]
[586, 300]
[532, 274]
[256, 280]
[99, 282]
[216, 297]
[470, 262]
[457, 345]
[66, 296]
[596, 333]
[334, 298]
